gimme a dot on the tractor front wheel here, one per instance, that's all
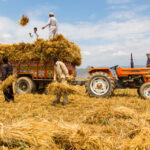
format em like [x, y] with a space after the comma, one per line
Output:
[100, 84]
[144, 91]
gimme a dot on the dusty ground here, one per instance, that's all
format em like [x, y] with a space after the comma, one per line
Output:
[121, 122]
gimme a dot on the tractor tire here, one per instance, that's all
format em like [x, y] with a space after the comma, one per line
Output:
[25, 85]
[100, 84]
[144, 91]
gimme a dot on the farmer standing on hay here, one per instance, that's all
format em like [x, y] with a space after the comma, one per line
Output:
[7, 70]
[52, 23]
[60, 75]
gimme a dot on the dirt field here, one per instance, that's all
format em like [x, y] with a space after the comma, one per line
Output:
[121, 122]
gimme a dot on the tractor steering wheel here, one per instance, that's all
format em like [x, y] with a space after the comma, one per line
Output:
[114, 67]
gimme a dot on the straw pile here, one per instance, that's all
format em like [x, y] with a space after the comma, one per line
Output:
[7, 82]
[43, 50]
[55, 135]
[57, 88]
[121, 122]
[124, 112]
[24, 20]
[25, 133]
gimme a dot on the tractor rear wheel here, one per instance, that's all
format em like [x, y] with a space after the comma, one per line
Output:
[25, 85]
[144, 91]
[100, 84]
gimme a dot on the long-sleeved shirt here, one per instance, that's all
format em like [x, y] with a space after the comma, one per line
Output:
[7, 70]
[52, 22]
[60, 71]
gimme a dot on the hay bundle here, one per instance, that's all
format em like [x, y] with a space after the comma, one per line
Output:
[59, 46]
[141, 141]
[49, 135]
[99, 116]
[76, 137]
[27, 133]
[57, 88]
[102, 116]
[7, 82]
[145, 116]
[24, 20]
[124, 112]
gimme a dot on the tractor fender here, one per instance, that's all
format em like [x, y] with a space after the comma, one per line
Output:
[146, 77]
[106, 70]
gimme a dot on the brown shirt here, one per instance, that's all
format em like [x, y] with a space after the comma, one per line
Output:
[7, 70]
[60, 71]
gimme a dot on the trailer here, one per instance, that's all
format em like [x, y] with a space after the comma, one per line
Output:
[33, 76]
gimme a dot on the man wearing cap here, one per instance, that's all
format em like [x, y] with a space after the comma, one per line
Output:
[60, 75]
[52, 24]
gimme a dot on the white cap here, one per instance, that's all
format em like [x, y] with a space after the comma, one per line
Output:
[52, 14]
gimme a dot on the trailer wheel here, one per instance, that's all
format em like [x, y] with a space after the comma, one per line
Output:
[100, 84]
[144, 91]
[138, 91]
[25, 85]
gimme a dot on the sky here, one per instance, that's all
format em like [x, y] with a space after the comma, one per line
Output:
[107, 31]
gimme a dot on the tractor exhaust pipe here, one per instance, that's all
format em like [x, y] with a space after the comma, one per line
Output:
[132, 62]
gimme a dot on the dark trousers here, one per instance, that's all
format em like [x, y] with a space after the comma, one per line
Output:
[9, 94]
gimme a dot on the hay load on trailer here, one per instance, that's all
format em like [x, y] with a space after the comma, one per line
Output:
[43, 50]
[32, 61]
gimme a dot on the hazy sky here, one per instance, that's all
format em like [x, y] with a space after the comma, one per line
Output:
[107, 31]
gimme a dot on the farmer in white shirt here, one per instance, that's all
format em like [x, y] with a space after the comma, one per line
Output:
[52, 24]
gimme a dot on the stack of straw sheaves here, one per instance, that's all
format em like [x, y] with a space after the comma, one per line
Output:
[57, 88]
[43, 50]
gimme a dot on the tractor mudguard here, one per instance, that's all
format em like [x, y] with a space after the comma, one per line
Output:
[106, 70]
[146, 78]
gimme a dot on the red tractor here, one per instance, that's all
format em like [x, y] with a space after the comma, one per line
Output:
[103, 81]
